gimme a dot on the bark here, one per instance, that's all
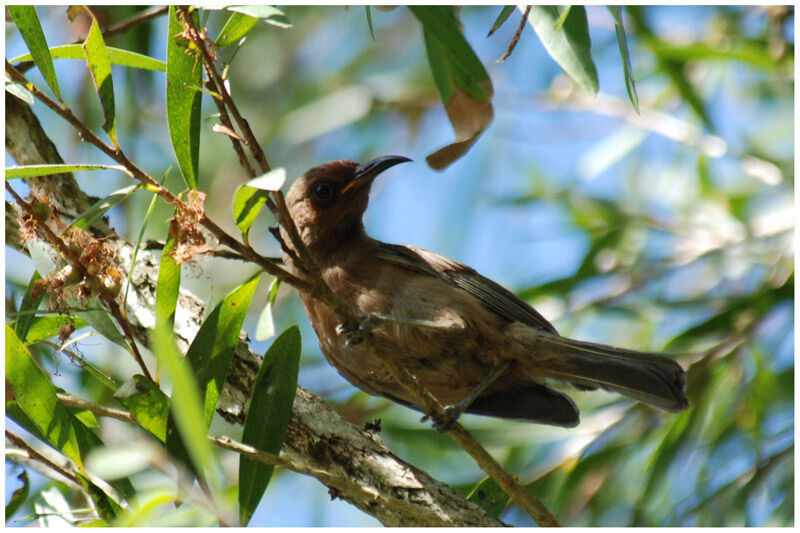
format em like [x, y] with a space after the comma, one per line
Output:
[353, 463]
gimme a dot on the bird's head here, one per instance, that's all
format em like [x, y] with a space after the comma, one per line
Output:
[328, 201]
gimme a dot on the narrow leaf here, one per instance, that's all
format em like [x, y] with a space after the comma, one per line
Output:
[236, 27]
[369, 23]
[44, 327]
[27, 22]
[269, 14]
[104, 325]
[250, 198]
[569, 46]
[117, 56]
[184, 71]
[28, 305]
[185, 406]
[19, 496]
[19, 90]
[36, 398]
[268, 416]
[99, 208]
[100, 66]
[169, 282]
[33, 171]
[265, 328]
[146, 403]
[622, 42]
[501, 18]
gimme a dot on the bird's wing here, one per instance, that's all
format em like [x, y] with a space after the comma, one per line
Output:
[495, 297]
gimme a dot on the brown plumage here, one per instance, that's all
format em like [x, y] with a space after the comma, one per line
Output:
[473, 327]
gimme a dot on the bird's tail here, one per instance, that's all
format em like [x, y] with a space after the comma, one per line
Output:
[650, 378]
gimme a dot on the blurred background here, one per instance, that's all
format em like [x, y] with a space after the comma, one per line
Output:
[668, 230]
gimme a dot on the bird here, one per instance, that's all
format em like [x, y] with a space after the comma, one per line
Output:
[473, 344]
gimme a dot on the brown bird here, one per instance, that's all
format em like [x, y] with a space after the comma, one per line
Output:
[474, 345]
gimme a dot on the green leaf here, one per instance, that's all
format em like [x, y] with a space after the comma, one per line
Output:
[562, 18]
[209, 358]
[104, 325]
[236, 27]
[31, 30]
[265, 328]
[489, 496]
[28, 305]
[36, 398]
[19, 496]
[184, 72]
[146, 403]
[44, 327]
[268, 417]
[185, 405]
[33, 171]
[169, 283]
[212, 349]
[462, 82]
[622, 42]
[369, 23]
[99, 208]
[100, 66]
[117, 56]
[501, 18]
[269, 14]
[569, 46]
[250, 198]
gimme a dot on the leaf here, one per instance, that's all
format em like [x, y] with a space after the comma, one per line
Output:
[104, 325]
[31, 30]
[209, 358]
[19, 496]
[489, 496]
[36, 398]
[117, 56]
[94, 212]
[265, 328]
[19, 90]
[462, 81]
[146, 403]
[268, 417]
[569, 46]
[269, 14]
[622, 42]
[562, 18]
[185, 405]
[250, 198]
[33, 171]
[369, 23]
[169, 283]
[44, 327]
[184, 72]
[25, 321]
[236, 27]
[501, 18]
[100, 67]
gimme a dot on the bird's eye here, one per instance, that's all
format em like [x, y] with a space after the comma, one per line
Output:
[322, 192]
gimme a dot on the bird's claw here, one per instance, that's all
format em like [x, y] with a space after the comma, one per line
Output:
[353, 336]
[444, 421]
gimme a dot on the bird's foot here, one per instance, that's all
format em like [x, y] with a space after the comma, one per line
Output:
[370, 321]
[444, 421]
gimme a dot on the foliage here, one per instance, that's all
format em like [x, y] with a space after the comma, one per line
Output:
[663, 222]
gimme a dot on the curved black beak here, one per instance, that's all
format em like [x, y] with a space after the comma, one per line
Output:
[366, 172]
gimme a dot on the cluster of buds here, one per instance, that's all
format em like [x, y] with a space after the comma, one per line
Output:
[189, 237]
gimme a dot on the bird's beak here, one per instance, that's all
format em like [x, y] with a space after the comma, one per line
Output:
[366, 172]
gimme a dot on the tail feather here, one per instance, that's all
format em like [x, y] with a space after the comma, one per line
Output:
[650, 378]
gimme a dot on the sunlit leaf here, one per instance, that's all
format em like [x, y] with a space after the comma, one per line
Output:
[32, 171]
[269, 14]
[236, 27]
[184, 71]
[622, 42]
[116, 56]
[27, 22]
[146, 403]
[100, 68]
[19, 496]
[28, 305]
[488, 495]
[570, 45]
[265, 328]
[99, 208]
[169, 282]
[36, 398]
[268, 416]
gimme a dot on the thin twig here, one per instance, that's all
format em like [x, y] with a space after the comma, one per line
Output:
[517, 34]
[100, 410]
[33, 455]
[75, 261]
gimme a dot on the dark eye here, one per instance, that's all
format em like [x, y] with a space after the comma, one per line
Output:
[322, 192]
